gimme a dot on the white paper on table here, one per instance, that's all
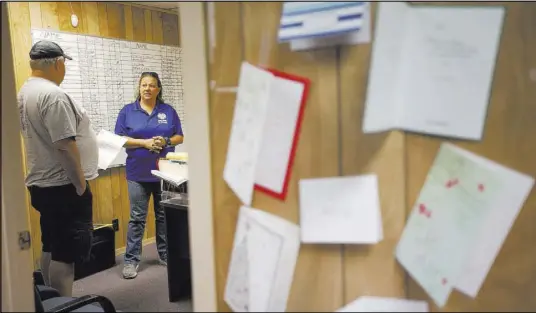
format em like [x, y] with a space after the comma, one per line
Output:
[265, 252]
[110, 145]
[246, 130]
[437, 63]
[505, 208]
[361, 36]
[171, 178]
[384, 304]
[278, 135]
[343, 210]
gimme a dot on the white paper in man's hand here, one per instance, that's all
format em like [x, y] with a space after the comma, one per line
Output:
[110, 145]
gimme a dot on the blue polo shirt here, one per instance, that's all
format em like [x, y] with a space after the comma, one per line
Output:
[134, 122]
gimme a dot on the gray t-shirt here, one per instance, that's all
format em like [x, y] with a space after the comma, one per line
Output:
[47, 115]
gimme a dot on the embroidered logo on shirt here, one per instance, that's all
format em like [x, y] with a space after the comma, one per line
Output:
[162, 118]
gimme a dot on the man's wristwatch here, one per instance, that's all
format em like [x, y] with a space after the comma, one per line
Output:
[168, 141]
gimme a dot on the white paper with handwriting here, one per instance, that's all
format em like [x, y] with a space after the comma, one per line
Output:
[505, 208]
[263, 260]
[340, 210]
[246, 130]
[459, 222]
[432, 69]
[278, 134]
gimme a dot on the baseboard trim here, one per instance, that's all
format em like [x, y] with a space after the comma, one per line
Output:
[145, 242]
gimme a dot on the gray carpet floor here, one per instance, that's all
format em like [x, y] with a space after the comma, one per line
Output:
[148, 292]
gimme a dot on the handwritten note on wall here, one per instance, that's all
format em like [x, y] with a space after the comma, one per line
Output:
[451, 218]
[246, 131]
[262, 265]
[340, 210]
[278, 133]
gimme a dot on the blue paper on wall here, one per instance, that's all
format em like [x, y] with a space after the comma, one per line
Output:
[302, 20]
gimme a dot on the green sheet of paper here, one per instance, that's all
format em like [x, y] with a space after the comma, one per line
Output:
[445, 221]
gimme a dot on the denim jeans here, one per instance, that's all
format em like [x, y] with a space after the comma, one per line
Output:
[139, 194]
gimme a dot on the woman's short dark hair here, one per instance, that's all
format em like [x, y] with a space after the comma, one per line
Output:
[159, 83]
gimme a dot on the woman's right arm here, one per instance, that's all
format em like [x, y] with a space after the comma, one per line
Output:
[138, 143]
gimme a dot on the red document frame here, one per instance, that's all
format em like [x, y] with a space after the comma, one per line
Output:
[306, 85]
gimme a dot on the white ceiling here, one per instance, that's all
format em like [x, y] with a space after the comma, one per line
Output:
[161, 5]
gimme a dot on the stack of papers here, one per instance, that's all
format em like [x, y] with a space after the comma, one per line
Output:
[356, 30]
[265, 251]
[313, 19]
[170, 177]
[460, 220]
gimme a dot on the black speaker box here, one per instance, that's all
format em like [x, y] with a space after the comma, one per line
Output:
[102, 253]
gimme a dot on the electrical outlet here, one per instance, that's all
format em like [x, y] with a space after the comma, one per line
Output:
[115, 224]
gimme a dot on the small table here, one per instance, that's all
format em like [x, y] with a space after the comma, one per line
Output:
[178, 248]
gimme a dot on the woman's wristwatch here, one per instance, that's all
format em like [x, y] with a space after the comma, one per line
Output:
[168, 141]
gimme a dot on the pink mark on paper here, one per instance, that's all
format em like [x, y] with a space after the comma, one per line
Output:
[444, 281]
[424, 211]
[481, 187]
[451, 183]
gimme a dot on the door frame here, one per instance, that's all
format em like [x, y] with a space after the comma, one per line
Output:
[197, 140]
[17, 263]
[17, 281]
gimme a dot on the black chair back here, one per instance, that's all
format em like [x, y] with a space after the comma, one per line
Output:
[38, 302]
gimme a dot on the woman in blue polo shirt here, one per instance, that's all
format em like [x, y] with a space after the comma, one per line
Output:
[152, 129]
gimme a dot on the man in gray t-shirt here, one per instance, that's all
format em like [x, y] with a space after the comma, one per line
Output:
[61, 156]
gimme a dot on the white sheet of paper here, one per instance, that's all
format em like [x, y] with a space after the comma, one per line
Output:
[505, 208]
[288, 256]
[387, 47]
[278, 134]
[340, 210]
[264, 248]
[360, 36]
[110, 145]
[384, 304]
[265, 252]
[236, 293]
[443, 60]
[246, 131]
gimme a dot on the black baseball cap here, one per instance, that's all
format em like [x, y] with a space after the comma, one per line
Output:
[45, 49]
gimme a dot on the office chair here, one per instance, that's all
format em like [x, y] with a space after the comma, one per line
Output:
[48, 299]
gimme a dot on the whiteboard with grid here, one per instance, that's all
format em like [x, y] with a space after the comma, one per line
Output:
[103, 75]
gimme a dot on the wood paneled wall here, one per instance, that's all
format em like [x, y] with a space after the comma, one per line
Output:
[332, 144]
[104, 19]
